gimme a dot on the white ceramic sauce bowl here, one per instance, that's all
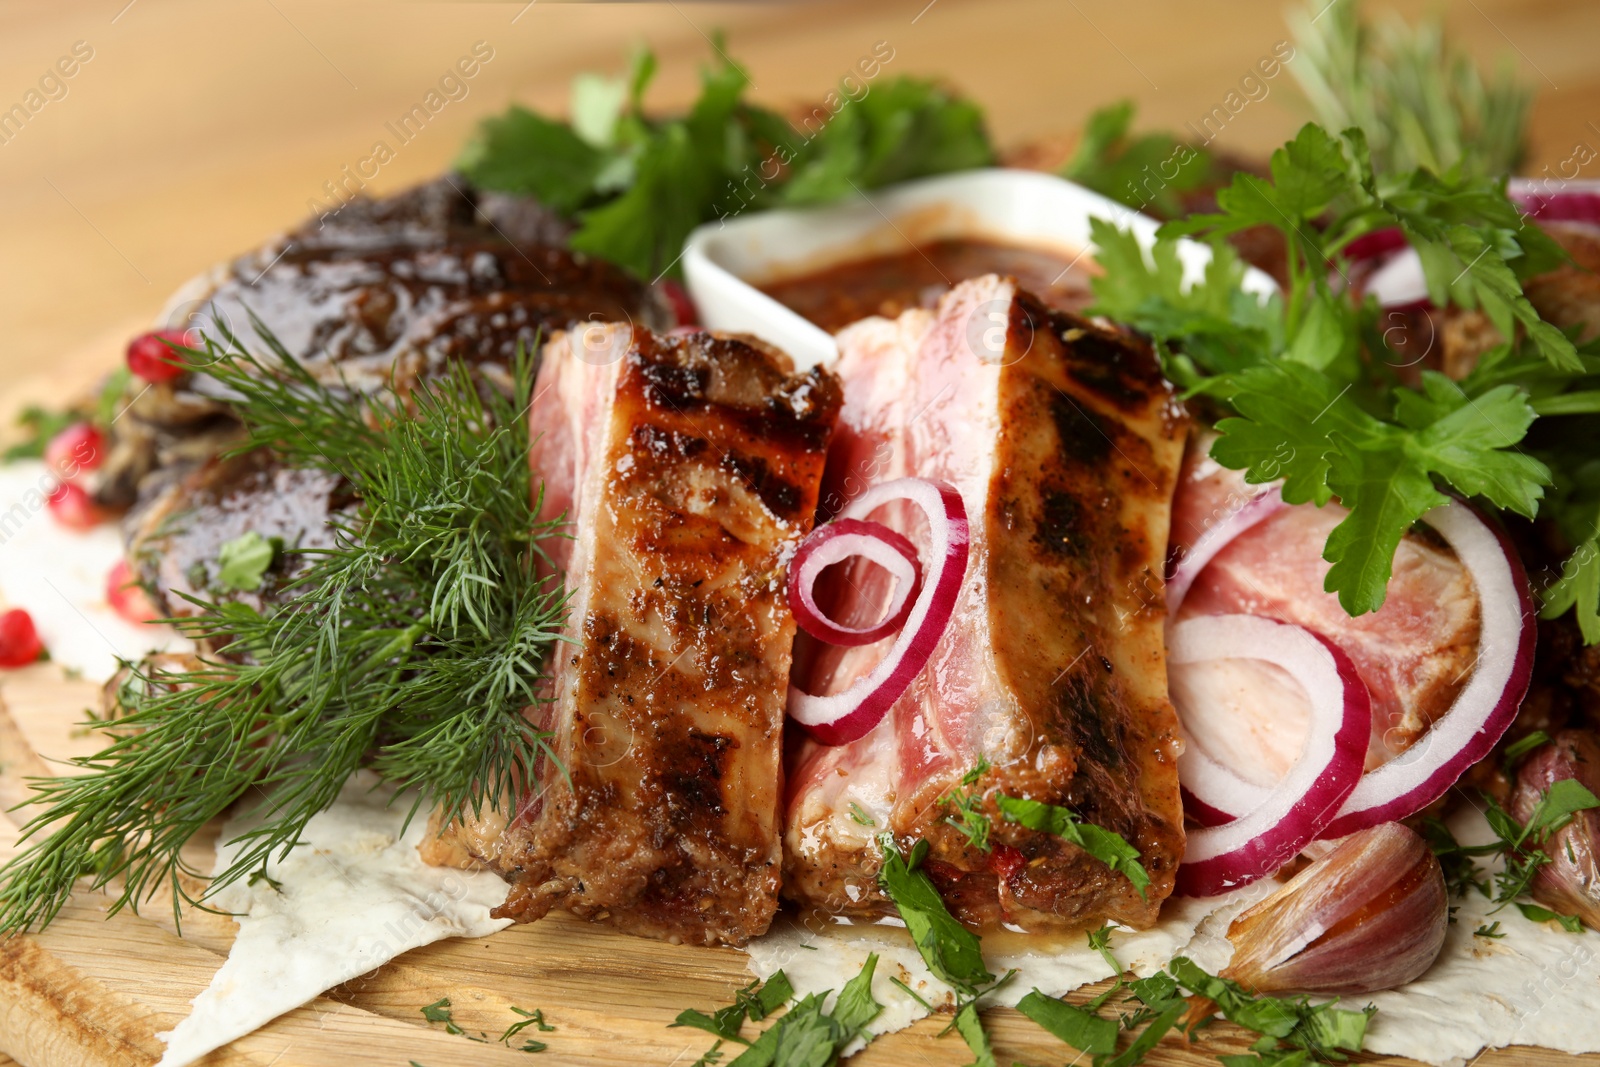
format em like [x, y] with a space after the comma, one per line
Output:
[725, 261]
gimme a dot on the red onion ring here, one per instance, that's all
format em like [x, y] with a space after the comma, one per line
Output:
[1569, 202]
[851, 714]
[838, 541]
[1485, 708]
[1219, 859]
[1217, 536]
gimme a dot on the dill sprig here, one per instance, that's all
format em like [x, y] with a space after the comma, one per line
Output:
[411, 647]
[1420, 101]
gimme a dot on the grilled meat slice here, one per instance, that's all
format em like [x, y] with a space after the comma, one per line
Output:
[689, 465]
[393, 290]
[1064, 443]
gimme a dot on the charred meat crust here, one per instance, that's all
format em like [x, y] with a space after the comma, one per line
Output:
[1068, 553]
[669, 706]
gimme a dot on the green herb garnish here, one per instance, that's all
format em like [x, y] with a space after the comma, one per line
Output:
[1146, 173]
[39, 426]
[755, 1001]
[967, 800]
[1104, 845]
[412, 646]
[806, 1034]
[1307, 407]
[638, 185]
[243, 562]
[950, 950]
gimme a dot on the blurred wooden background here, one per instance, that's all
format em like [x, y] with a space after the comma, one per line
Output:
[198, 127]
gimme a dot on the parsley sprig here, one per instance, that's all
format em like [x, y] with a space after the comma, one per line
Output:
[636, 185]
[1309, 381]
[411, 647]
[808, 1033]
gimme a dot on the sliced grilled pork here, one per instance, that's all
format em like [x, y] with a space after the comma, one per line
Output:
[1415, 653]
[689, 466]
[1064, 443]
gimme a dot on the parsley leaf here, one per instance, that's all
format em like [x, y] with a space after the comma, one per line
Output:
[1570, 923]
[1146, 172]
[1104, 845]
[970, 1027]
[755, 1001]
[808, 1036]
[950, 950]
[1079, 1028]
[243, 562]
[39, 426]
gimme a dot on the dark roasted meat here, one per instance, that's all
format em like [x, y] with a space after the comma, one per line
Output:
[386, 291]
[1064, 443]
[689, 467]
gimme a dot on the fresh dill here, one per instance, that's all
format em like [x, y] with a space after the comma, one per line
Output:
[967, 801]
[1492, 930]
[411, 646]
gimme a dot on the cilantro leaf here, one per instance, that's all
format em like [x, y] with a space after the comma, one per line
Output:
[525, 153]
[950, 950]
[1104, 845]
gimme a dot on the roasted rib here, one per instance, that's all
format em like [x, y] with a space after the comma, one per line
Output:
[689, 467]
[1064, 442]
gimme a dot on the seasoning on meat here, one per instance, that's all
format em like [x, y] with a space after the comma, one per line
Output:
[1064, 442]
[689, 467]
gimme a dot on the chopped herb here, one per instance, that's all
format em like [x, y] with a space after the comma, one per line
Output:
[243, 562]
[808, 1035]
[1491, 931]
[755, 1001]
[262, 876]
[1078, 1027]
[1520, 748]
[1104, 845]
[970, 1027]
[912, 993]
[529, 1018]
[859, 815]
[39, 426]
[439, 1012]
[967, 800]
[1324, 1030]
[1570, 923]
[950, 950]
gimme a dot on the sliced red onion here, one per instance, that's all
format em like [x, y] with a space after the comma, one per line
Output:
[836, 542]
[1219, 535]
[1219, 859]
[851, 714]
[1485, 708]
[1375, 244]
[1557, 201]
[1399, 284]
[1213, 794]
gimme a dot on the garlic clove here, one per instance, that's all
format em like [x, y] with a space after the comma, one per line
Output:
[1370, 914]
[1570, 882]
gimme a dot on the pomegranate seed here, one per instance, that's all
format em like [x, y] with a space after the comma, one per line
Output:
[74, 508]
[149, 358]
[19, 641]
[677, 298]
[75, 450]
[127, 597]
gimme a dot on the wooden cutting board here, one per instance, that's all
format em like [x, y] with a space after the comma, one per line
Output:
[93, 992]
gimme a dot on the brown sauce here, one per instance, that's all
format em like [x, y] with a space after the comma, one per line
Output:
[886, 285]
